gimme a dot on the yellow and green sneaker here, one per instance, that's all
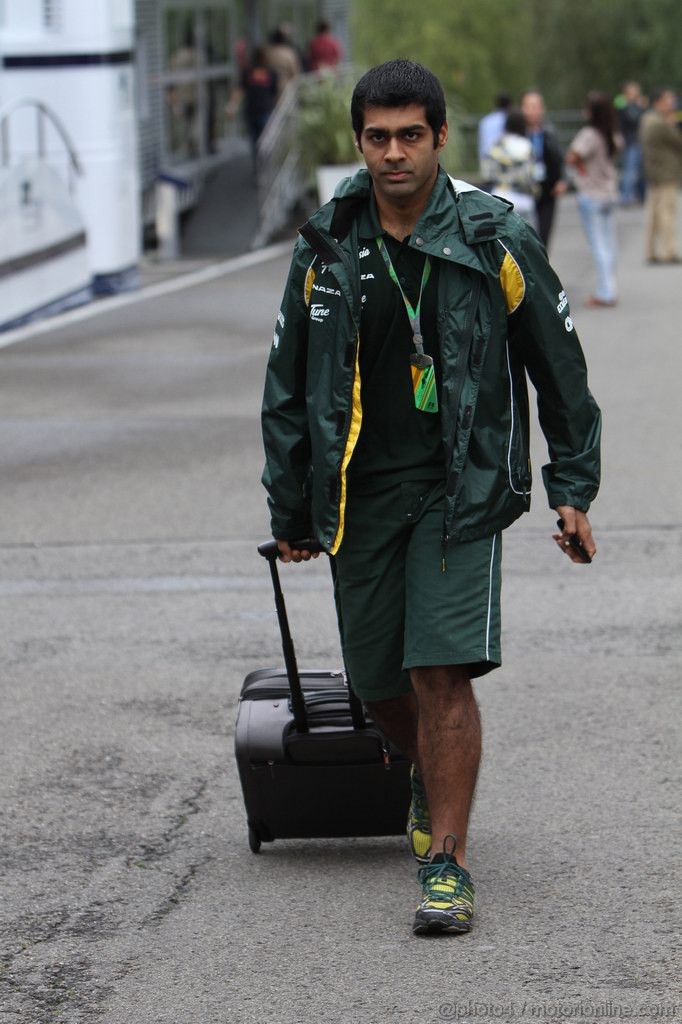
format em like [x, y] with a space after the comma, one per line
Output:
[447, 895]
[419, 821]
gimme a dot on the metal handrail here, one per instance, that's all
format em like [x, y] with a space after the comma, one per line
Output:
[43, 114]
[281, 180]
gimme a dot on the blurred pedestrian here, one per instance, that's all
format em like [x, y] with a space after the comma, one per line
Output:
[491, 127]
[240, 52]
[325, 50]
[509, 166]
[662, 150]
[287, 30]
[282, 58]
[630, 106]
[593, 154]
[549, 162]
[257, 90]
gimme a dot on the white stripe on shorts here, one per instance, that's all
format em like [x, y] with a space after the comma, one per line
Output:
[490, 600]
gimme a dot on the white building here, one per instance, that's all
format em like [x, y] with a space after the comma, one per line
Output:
[99, 100]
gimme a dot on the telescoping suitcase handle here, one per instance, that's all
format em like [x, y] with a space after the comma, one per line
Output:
[270, 551]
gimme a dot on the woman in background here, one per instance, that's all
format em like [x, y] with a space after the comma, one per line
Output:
[593, 155]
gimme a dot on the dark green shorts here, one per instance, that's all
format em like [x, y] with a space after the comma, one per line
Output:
[397, 608]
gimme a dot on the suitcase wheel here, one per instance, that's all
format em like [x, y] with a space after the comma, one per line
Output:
[254, 840]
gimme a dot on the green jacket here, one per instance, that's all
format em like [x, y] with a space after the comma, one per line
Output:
[662, 149]
[502, 312]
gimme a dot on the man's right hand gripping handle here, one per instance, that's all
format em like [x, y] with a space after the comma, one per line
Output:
[298, 550]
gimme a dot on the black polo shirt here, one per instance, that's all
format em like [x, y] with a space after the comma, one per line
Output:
[397, 442]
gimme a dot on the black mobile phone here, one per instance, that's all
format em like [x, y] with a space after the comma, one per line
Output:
[576, 544]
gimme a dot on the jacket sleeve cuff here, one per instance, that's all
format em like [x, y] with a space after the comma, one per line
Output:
[555, 500]
[296, 532]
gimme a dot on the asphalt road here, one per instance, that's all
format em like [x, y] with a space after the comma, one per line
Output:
[132, 603]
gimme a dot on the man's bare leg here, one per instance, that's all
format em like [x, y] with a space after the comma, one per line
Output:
[449, 750]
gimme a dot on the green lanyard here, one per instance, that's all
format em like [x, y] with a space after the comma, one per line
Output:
[413, 313]
[421, 364]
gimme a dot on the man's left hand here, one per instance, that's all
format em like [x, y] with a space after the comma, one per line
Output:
[576, 524]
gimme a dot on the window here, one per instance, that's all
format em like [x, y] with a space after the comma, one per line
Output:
[197, 78]
[216, 36]
[180, 39]
[182, 121]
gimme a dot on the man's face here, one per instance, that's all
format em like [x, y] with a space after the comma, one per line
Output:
[667, 102]
[533, 109]
[397, 144]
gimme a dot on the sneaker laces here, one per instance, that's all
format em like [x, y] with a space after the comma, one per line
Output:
[447, 872]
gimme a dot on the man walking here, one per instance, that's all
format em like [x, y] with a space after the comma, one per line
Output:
[325, 50]
[630, 107]
[549, 162]
[662, 149]
[395, 424]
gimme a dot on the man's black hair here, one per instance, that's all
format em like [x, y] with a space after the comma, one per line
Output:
[399, 83]
[515, 123]
[503, 101]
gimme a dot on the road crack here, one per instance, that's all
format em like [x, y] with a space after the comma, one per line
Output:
[54, 988]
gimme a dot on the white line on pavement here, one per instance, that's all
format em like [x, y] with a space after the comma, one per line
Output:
[152, 291]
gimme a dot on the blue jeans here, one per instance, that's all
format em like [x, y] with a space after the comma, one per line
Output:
[631, 181]
[598, 221]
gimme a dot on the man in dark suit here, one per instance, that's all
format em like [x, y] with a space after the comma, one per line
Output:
[549, 162]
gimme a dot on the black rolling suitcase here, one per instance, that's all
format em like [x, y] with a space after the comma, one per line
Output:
[311, 763]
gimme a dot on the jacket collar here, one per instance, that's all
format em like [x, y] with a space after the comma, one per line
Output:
[457, 219]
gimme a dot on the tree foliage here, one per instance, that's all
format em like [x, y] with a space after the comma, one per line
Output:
[599, 44]
[563, 48]
[452, 38]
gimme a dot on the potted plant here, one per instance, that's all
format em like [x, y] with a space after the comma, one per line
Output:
[325, 135]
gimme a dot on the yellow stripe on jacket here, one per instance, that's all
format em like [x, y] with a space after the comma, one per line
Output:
[351, 441]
